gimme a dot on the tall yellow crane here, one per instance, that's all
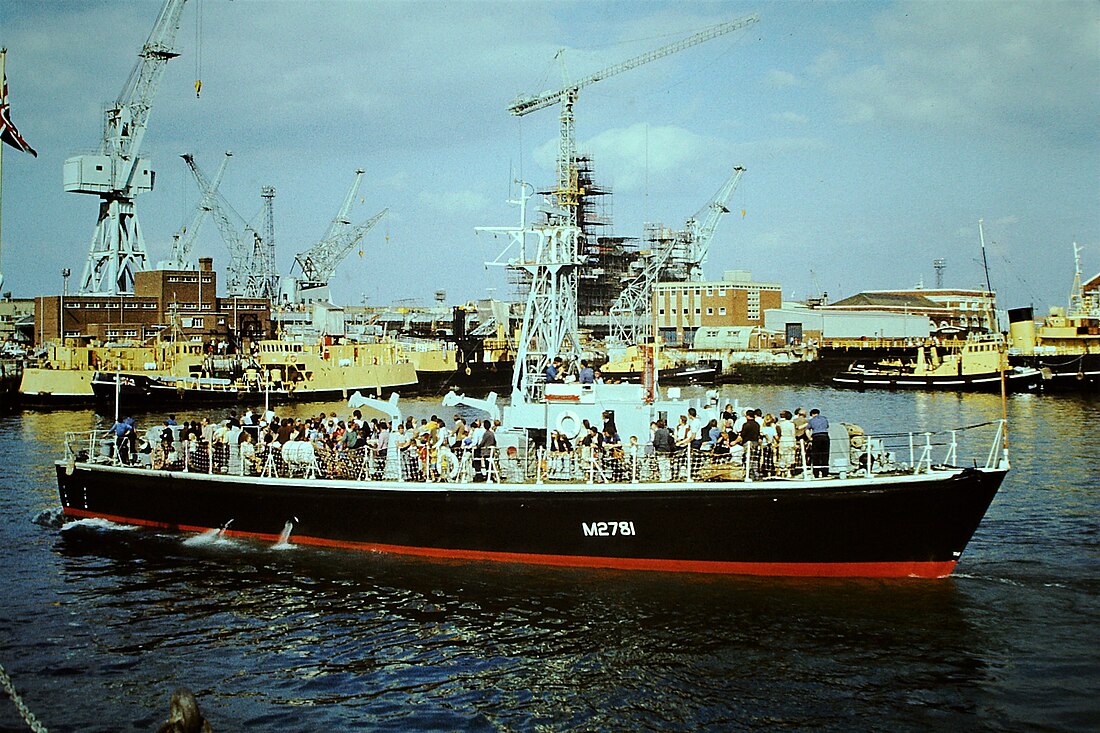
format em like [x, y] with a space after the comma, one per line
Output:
[568, 193]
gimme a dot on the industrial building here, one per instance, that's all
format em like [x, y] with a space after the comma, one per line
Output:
[952, 311]
[683, 308]
[804, 324]
[165, 302]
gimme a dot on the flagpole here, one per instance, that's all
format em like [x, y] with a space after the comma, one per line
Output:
[3, 86]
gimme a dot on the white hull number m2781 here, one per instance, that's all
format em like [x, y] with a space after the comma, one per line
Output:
[608, 529]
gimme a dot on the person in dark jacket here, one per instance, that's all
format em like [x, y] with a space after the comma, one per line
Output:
[818, 426]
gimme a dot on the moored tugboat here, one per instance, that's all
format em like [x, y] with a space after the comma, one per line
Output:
[977, 364]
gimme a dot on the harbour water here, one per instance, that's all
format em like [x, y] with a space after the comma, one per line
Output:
[99, 623]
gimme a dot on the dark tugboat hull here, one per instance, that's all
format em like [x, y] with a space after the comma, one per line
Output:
[706, 372]
[472, 378]
[991, 382]
[1064, 372]
[882, 527]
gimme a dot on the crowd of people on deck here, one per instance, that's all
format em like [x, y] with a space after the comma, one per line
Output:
[250, 444]
[765, 444]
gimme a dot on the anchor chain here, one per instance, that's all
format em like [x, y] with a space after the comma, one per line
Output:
[28, 717]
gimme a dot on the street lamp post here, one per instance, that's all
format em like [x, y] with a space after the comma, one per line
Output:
[65, 272]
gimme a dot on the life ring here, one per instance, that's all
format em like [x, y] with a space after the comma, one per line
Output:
[569, 424]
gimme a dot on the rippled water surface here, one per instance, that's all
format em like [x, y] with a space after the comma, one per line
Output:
[98, 623]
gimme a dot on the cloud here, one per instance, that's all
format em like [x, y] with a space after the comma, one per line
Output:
[825, 63]
[1025, 70]
[782, 79]
[791, 118]
[630, 154]
[455, 202]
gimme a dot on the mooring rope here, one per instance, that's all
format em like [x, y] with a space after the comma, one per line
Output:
[28, 717]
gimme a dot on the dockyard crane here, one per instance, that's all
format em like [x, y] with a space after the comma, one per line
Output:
[319, 262]
[183, 242]
[248, 273]
[263, 274]
[699, 235]
[116, 173]
[568, 193]
[679, 256]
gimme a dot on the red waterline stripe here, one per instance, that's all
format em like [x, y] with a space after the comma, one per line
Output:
[885, 569]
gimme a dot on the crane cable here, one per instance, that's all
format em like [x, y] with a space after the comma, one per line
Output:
[198, 49]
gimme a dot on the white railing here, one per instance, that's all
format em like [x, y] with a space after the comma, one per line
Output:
[866, 456]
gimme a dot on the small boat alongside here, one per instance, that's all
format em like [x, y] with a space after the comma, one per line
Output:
[976, 364]
[630, 366]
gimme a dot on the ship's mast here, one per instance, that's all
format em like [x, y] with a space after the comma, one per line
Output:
[988, 287]
[550, 326]
[1076, 298]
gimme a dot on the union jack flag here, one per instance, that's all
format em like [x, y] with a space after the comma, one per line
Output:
[8, 131]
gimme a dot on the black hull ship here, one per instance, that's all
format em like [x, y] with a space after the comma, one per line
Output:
[519, 495]
[704, 372]
[901, 524]
[1064, 372]
[476, 377]
[876, 377]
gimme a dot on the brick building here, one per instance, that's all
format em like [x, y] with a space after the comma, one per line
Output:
[683, 308]
[185, 299]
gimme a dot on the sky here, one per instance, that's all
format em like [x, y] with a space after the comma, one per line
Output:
[874, 135]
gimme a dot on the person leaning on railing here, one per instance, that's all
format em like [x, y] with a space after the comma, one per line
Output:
[663, 446]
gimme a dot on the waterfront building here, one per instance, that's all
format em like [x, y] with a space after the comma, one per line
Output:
[952, 311]
[683, 308]
[800, 323]
[13, 311]
[183, 301]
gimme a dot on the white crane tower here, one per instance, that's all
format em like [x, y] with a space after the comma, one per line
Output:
[567, 196]
[116, 174]
[251, 272]
[319, 262]
[680, 256]
[183, 242]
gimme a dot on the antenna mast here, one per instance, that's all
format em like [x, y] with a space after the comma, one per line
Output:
[988, 286]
